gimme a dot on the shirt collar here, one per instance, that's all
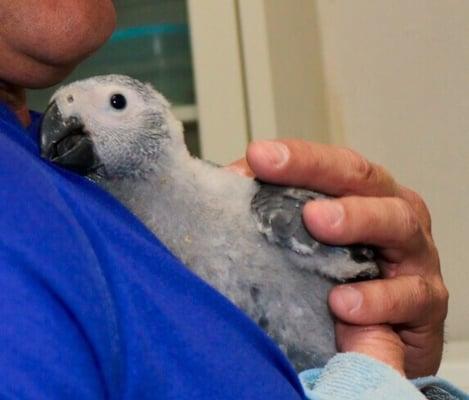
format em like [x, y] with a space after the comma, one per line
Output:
[28, 136]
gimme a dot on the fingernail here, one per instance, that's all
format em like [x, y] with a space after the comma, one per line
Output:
[275, 153]
[350, 298]
[331, 211]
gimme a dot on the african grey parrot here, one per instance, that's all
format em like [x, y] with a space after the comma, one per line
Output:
[244, 237]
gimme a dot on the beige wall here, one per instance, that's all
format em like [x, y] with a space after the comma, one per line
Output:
[397, 82]
[258, 73]
[283, 69]
[219, 80]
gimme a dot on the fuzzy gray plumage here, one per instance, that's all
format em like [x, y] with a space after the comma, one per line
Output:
[244, 237]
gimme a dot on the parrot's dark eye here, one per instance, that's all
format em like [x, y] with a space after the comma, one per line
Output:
[118, 101]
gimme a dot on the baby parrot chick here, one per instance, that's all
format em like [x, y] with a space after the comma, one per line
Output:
[244, 237]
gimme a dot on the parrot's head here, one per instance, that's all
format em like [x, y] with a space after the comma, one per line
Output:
[110, 125]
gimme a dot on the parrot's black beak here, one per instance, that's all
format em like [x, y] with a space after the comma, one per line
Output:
[64, 142]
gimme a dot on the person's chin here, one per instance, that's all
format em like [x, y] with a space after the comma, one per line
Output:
[51, 40]
[46, 68]
[44, 76]
[72, 33]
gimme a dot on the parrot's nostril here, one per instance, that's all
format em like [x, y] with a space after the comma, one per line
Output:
[70, 99]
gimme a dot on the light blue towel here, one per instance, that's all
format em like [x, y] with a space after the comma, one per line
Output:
[353, 376]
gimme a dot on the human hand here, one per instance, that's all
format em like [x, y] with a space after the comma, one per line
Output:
[373, 209]
[376, 341]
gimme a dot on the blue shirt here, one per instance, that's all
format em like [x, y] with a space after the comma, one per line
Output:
[93, 306]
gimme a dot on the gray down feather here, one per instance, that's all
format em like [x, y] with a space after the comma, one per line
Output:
[244, 237]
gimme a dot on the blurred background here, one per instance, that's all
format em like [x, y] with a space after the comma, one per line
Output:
[389, 79]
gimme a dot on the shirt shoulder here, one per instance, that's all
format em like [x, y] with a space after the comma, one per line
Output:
[101, 300]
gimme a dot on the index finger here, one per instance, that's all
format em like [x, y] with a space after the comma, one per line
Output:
[334, 170]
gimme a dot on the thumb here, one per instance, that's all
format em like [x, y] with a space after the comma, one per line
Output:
[240, 167]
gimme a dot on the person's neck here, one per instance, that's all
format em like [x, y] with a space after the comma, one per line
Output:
[15, 99]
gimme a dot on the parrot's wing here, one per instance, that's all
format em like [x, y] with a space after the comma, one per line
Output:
[277, 211]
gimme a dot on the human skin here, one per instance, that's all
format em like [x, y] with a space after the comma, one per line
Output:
[40, 45]
[399, 319]
[41, 42]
